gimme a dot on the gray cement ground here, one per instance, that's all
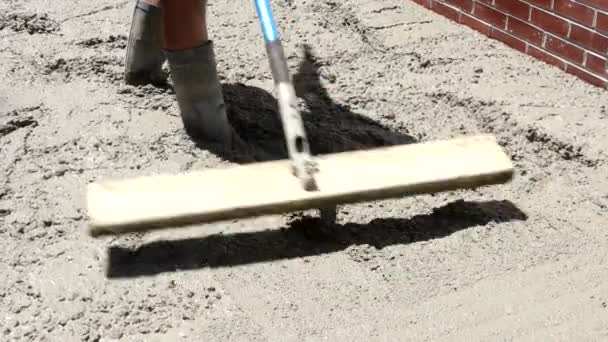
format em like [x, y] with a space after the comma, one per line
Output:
[523, 261]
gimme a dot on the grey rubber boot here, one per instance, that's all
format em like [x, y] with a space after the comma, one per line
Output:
[145, 56]
[199, 93]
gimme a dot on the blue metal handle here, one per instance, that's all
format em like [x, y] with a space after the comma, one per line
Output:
[267, 20]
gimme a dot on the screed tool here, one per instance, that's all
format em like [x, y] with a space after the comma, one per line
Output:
[300, 183]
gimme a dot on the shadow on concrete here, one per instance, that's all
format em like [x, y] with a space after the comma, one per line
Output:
[301, 238]
[331, 127]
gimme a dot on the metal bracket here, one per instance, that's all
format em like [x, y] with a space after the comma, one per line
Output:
[303, 164]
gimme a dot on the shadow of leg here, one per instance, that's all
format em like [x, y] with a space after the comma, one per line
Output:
[331, 127]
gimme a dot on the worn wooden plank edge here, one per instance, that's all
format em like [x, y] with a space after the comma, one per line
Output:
[501, 171]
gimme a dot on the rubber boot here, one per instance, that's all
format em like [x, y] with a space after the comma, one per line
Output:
[199, 94]
[144, 59]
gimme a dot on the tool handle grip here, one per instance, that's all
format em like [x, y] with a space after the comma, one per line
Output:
[269, 27]
[274, 48]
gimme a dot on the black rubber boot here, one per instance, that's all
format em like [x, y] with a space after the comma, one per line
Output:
[144, 59]
[199, 94]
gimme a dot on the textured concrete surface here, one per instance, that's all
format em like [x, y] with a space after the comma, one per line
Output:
[524, 261]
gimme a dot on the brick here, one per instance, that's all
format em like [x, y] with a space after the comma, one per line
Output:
[425, 3]
[525, 31]
[599, 4]
[586, 76]
[574, 11]
[476, 24]
[549, 22]
[546, 57]
[445, 10]
[465, 5]
[490, 15]
[515, 8]
[589, 39]
[597, 64]
[564, 49]
[602, 22]
[511, 41]
[540, 3]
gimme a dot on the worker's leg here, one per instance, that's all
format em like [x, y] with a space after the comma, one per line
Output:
[144, 58]
[185, 24]
[193, 70]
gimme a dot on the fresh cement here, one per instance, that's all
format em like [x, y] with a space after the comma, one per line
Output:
[524, 260]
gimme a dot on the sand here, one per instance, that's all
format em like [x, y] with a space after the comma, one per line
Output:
[520, 261]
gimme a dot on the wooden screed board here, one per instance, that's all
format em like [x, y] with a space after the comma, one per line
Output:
[165, 201]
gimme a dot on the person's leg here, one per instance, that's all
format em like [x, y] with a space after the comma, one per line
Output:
[193, 71]
[144, 58]
[185, 23]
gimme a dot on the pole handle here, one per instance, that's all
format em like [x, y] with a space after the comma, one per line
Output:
[269, 28]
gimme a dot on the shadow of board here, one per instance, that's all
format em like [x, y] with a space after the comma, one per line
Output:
[332, 128]
[302, 238]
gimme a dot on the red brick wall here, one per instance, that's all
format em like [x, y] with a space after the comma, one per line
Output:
[570, 34]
